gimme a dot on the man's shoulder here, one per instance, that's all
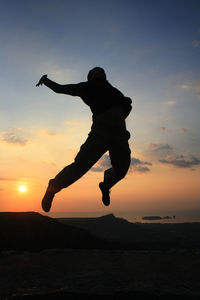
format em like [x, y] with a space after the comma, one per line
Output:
[83, 83]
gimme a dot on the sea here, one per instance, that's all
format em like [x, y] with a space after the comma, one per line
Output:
[137, 216]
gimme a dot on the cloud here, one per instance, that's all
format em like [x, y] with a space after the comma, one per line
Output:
[181, 162]
[136, 161]
[197, 88]
[195, 43]
[7, 179]
[139, 165]
[103, 163]
[13, 137]
[58, 72]
[183, 129]
[163, 129]
[96, 169]
[142, 169]
[171, 102]
[193, 85]
[136, 165]
[48, 133]
[51, 164]
[185, 86]
[160, 147]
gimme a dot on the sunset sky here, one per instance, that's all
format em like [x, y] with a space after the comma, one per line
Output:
[150, 50]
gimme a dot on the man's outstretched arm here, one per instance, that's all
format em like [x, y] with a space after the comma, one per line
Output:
[69, 89]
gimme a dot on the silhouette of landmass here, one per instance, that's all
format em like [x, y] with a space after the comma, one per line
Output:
[152, 218]
[33, 231]
[143, 236]
[97, 258]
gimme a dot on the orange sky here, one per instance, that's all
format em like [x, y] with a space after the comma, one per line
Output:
[164, 187]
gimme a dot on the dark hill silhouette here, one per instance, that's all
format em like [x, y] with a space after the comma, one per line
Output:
[140, 235]
[33, 231]
[109, 227]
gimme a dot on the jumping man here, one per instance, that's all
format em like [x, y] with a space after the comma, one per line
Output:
[108, 133]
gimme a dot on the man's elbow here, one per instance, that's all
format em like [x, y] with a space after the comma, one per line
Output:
[58, 90]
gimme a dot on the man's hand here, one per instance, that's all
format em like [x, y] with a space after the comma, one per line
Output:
[41, 81]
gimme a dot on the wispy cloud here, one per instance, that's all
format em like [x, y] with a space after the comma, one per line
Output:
[159, 151]
[142, 169]
[163, 129]
[13, 137]
[103, 164]
[96, 169]
[196, 43]
[7, 179]
[76, 123]
[181, 162]
[136, 165]
[171, 102]
[193, 85]
[185, 86]
[183, 129]
[139, 165]
[47, 133]
[58, 72]
[160, 147]
[136, 161]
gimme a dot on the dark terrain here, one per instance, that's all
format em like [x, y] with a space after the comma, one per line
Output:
[146, 236]
[99, 258]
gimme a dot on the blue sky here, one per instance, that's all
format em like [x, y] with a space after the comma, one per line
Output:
[150, 50]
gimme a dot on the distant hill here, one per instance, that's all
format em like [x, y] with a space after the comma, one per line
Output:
[140, 235]
[33, 231]
[109, 227]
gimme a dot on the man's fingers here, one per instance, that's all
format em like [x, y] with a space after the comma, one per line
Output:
[41, 80]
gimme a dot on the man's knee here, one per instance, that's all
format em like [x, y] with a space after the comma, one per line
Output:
[121, 173]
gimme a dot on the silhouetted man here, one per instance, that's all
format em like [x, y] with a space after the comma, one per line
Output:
[108, 133]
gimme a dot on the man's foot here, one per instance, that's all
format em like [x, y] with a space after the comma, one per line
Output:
[48, 197]
[105, 194]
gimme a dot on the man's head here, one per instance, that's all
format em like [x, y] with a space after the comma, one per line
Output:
[97, 74]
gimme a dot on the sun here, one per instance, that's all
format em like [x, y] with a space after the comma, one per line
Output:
[22, 188]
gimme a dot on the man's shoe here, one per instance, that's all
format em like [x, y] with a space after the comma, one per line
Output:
[48, 197]
[105, 194]
[47, 201]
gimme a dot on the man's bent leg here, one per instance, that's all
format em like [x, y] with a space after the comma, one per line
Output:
[120, 160]
[120, 156]
[90, 152]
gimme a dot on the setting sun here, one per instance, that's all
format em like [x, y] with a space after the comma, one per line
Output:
[22, 188]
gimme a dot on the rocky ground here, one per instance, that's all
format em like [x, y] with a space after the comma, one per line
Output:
[113, 274]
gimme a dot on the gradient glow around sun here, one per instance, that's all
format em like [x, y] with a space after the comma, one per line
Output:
[22, 188]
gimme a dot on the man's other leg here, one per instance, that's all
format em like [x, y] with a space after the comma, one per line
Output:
[120, 156]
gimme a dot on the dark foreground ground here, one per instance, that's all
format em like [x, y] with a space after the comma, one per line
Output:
[100, 274]
[41, 258]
